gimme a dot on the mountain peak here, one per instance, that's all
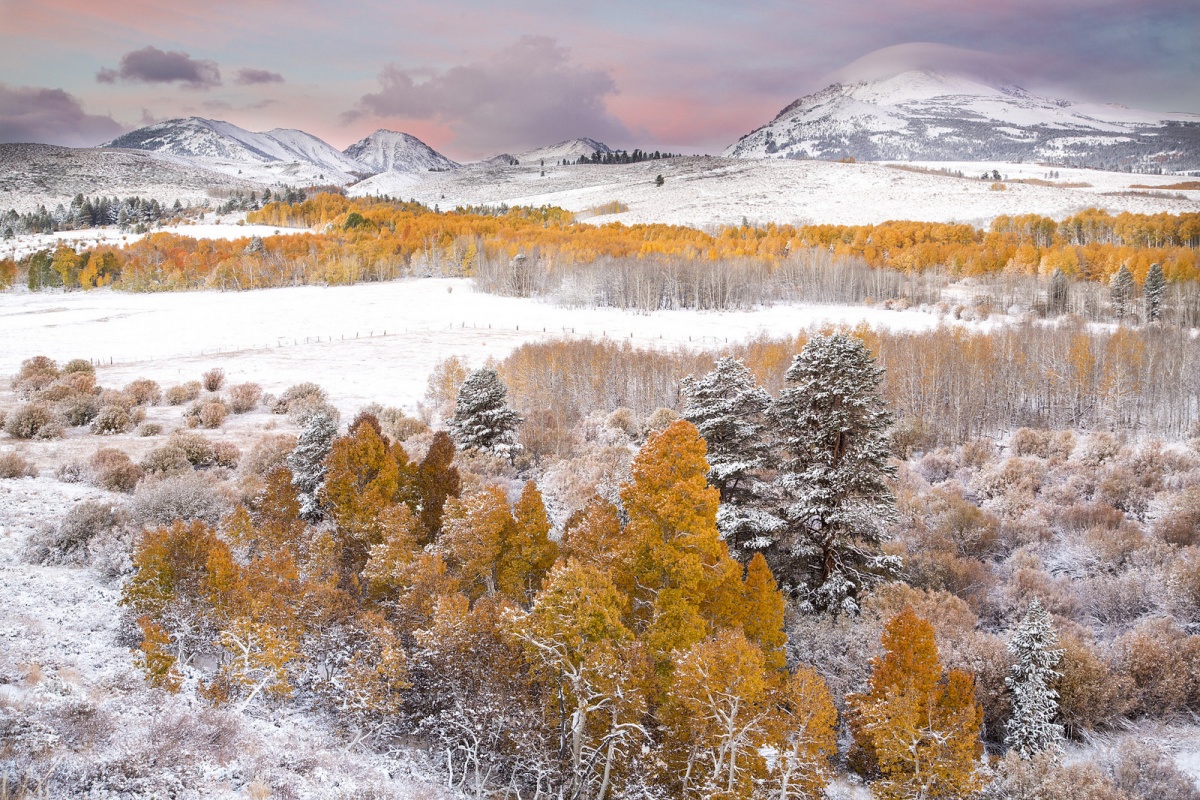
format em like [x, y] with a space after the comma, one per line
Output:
[930, 114]
[395, 151]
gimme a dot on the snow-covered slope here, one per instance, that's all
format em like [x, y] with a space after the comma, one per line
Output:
[391, 151]
[935, 116]
[284, 154]
[570, 150]
[42, 174]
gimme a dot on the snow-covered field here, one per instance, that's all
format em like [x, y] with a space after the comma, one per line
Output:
[226, 228]
[335, 336]
[702, 192]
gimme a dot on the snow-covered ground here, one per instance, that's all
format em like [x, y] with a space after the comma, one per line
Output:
[229, 227]
[69, 683]
[335, 336]
[703, 192]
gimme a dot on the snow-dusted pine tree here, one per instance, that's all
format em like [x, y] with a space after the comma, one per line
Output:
[482, 418]
[729, 409]
[1120, 290]
[1152, 292]
[833, 424]
[1032, 727]
[307, 462]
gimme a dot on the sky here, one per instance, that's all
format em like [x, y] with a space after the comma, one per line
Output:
[473, 79]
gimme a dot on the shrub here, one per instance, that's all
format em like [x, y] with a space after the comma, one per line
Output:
[14, 465]
[1142, 770]
[623, 419]
[115, 471]
[52, 431]
[170, 459]
[394, 423]
[112, 419]
[1156, 656]
[1029, 442]
[178, 395]
[226, 454]
[269, 453]
[213, 380]
[1180, 524]
[28, 420]
[299, 394]
[1090, 694]
[198, 450]
[77, 410]
[78, 366]
[661, 419]
[244, 397]
[187, 496]
[144, 392]
[71, 472]
[212, 414]
[150, 429]
[67, 543]
[38, 367]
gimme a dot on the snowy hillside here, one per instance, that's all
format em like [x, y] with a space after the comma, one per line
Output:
[933, 116]
[718, 191]
[391, 151]
[570, 150]
[286, 155]
[42, 174]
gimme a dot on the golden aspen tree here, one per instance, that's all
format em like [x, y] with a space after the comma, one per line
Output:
[917, 727]
[473, 534]
[598, 675]
[686, 581]
[763, 607]
[437, 480]
[527, 552]
[717, 718]
[802, 738]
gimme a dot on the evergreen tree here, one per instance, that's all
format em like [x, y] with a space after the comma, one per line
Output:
[1152, 292]
[307, 462]
[1032, 728]
[729, 410]
[482, 419]
[832, 422]
[1121, 291]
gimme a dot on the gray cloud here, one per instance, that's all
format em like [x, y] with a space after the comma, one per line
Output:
[250, 76]
[527, 95]
[151, 65]
[32, 114]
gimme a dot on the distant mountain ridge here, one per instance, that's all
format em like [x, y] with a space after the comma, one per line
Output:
[924, 115]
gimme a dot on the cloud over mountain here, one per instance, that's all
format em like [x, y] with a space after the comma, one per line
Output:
[151, 65]
[523, 95]
[37, 114]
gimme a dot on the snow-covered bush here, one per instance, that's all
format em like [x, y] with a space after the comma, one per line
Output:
[244, 397]
[299, 395]
[15, 465]
[112, 419]
[268, 453]
[660, 420]
[187, 496]
[67, 542]
[72, 472]
[213, 379]
[208, 414]
[197, 449]
[29, 420]
[178, 395]
[78, 409]
[144, 392]
[226, 454]
[78, 366]
[150, 429]
[115, 471]
[169, 459]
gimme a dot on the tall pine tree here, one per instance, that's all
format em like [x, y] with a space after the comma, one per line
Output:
[1120, 290]
[307, 462]
[729, 410]
[1032, 727]
[832, 423]
[482, 418]
[1152, 292]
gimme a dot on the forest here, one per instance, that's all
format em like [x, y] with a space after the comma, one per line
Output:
[1052, 266]
[598, 572]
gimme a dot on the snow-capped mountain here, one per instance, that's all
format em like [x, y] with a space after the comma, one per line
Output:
[390, 151]
[282, 153]
[570, 150]
[925, 115]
